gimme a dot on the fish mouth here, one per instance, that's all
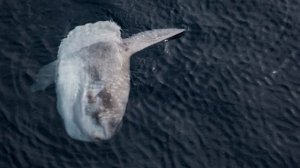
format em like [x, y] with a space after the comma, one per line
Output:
[111, 130]
[109, 126]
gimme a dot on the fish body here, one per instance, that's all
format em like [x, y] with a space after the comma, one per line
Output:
[92, 77]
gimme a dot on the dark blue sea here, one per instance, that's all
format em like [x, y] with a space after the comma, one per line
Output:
[226, 94]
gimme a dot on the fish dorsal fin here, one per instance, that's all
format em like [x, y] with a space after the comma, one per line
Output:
[145, 39]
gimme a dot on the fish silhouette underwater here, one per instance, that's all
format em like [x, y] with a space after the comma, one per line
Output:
[92, 77]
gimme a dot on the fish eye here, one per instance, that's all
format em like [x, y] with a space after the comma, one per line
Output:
[97, 118]
[97, 139]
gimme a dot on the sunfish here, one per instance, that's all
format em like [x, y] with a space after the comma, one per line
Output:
[92, 77]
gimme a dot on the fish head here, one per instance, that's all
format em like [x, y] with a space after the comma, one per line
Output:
[100, 115]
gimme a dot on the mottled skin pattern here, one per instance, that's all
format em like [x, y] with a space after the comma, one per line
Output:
[114, 95]
[104, 77]
[92, 77]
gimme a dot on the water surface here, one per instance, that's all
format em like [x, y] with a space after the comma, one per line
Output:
[226, 94]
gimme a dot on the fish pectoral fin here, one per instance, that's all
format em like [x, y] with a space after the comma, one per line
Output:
[145, 39]
[45, 77]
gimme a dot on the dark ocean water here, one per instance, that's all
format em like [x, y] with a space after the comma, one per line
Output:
[224, 95]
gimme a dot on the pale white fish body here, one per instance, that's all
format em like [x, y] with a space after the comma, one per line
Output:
[92, 77]
[74, 81]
